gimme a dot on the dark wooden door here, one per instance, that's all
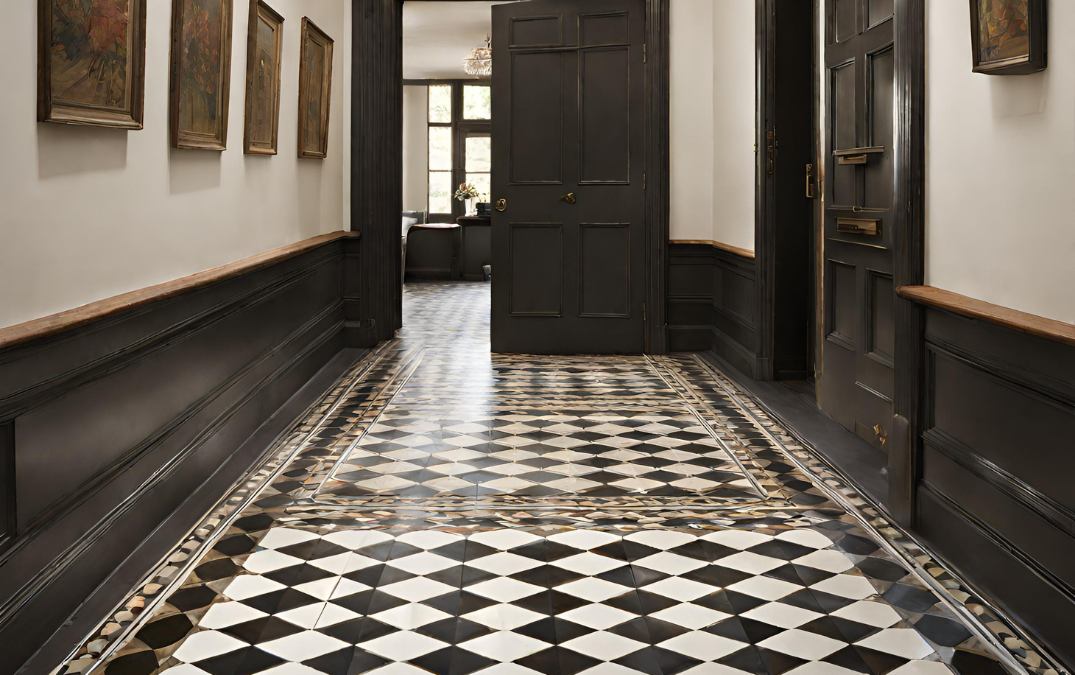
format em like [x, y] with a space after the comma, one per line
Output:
[568, 133]
[857, 378]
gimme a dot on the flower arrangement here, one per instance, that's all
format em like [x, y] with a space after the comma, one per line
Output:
[466, 191]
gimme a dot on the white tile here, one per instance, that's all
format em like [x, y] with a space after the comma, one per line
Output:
[504, 646]
[392, 468]
[589, 563]
[504, 589]
[278, 537]
[738, 539]
[332, 614]
[875, 614]
[584, 539]
[410, 616]
[224, 614]
[782, 615]
[181, 669]
[504, 539]
[507, 669]
[662, 539]
[422, 563]
[905, 642]
[670, 563]
[922, 668]
[593, 589]
[597, 616]
[511, 484]
[637, 485]
[690, 615]
[402, 645]
[417, 589]
[347, 587]
[820, 668]
[678, 588]
[263, 562]
[764, 588]
[713, 669]
[702, 645]
[828, 560]
[846, 586]
[322, 589]
[505, 563]
[746, 561]
[604, 646]
[802, 644]
[503, 616]
[206, 644]
[303, 617]
[251, 585]
[356, 539]
[610, 669]
[803, 537]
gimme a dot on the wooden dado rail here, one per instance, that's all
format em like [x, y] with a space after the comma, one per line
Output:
[727, 248]
[1050, 329]
[79, 316]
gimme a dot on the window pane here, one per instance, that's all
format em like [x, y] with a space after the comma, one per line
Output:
[440, 191]
[477, 102]
[440, 103]
[440, 148]
[482, 182]
[479, 153]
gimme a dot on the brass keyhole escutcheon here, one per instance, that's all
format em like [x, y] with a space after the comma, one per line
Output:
[569, 198]
[501, 205]
[882, 435]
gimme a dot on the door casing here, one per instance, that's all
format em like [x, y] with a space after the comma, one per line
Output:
[376, 167]
[908, 247]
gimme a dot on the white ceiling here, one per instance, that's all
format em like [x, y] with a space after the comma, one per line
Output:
[437, 36]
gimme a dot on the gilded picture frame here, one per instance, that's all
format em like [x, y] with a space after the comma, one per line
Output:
[1008, 37]
[315, 90]
[200, 81]
[264, 49]
[91, 62]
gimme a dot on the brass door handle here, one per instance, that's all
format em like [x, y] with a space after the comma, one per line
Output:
[501, 205]
[569, 198]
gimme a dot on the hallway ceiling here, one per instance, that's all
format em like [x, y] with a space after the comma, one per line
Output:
[437, 36]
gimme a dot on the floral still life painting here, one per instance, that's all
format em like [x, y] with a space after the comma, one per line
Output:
[201, 65]
[91, 62]
[1008, 36]
[264, 44]
[315, 87]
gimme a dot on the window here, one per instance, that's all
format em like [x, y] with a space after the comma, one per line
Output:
[459, 144]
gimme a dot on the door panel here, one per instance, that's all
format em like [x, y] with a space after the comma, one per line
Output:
[567, 163]
[857, 378]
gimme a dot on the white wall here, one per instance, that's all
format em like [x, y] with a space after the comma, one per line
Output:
[712, 121]
[90, 212]
[415, 158]
[1000, 158]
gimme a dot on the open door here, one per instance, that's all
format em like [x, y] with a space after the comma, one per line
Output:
[568, 177]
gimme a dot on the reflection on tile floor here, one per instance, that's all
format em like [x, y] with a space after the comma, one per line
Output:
[443, 510]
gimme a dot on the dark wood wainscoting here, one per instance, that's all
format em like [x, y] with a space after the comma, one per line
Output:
[994, 493]
[124, 421]
[712, 302]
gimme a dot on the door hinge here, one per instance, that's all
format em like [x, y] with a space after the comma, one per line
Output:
[644, 55]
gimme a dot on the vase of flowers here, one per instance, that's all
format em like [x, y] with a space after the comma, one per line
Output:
[469, 194]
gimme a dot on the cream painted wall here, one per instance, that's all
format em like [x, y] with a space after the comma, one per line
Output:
[415, 158]
[88, 213]
[712, 121]
[1000, 170]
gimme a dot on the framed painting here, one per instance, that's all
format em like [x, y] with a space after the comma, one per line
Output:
[91, 62]
[1008, 36]
[263, 49]
[315, 89]
[201, 73]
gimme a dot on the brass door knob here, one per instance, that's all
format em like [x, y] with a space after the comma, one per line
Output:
[501, 205]
[569, 198]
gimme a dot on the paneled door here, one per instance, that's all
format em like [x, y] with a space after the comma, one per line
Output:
[856, 385]
[568, 181]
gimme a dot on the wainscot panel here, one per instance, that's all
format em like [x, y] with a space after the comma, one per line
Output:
[122, 422]
[712, 303]
[994, 494]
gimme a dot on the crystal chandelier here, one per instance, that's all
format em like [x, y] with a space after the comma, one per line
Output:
[480, 61]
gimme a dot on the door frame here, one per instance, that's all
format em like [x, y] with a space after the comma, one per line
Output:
[376, 168]
[909, 234]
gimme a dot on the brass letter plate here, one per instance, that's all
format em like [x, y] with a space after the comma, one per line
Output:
[858, 226]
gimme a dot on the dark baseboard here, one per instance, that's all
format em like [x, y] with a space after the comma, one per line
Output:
[121, 431]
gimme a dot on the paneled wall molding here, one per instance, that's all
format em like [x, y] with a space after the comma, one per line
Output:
[727, 248]
[1014, 319]
[121, 422]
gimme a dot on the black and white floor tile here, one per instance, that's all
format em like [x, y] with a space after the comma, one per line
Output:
[444, 510]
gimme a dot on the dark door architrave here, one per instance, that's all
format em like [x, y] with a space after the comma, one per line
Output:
[376, 166]
[908, 229]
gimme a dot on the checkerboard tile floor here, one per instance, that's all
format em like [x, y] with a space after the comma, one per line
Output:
[451, 512]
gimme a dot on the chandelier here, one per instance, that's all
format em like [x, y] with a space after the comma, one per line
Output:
[480, 61]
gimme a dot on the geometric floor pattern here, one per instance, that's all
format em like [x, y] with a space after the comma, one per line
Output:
[444, 510]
